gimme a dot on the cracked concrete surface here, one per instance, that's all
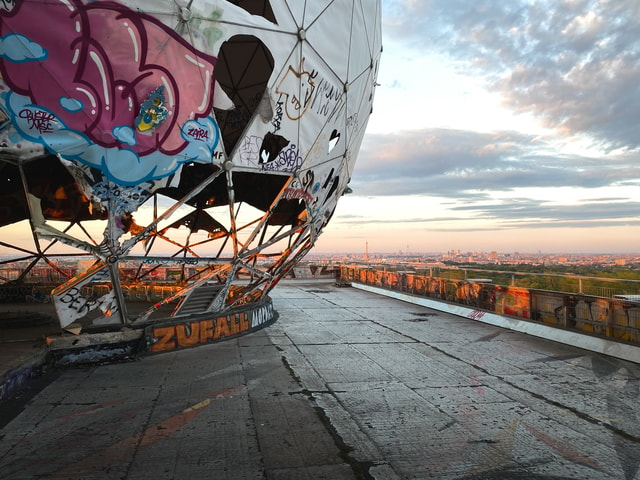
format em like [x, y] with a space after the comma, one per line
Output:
[346, 384]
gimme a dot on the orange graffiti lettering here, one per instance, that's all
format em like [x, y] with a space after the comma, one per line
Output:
[222, 327]
[188, 335]
[164, 336]
[244, 322]
[234, 324]
[206, 330]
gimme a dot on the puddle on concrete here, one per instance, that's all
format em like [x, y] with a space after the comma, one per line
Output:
[422, 317]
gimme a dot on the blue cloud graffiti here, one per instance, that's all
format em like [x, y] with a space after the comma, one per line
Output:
[120, 165]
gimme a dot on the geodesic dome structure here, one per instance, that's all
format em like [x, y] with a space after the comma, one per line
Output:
[171, 147]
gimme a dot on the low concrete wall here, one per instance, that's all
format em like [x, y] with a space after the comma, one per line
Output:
[612, 348]
[208, 328]
[612, 319]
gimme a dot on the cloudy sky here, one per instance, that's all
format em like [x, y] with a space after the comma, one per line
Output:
[509, 126]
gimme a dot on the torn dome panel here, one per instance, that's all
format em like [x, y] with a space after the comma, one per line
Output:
[153, 114]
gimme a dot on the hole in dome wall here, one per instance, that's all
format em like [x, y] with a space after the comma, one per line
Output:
[333, 140]
[243, 70]
[257, 7]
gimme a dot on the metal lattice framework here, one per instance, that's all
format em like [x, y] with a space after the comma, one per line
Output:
[194, 150]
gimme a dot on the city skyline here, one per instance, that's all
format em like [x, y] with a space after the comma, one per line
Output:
[500, 126]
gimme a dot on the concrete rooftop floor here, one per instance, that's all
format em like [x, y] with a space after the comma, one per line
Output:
[346, 384]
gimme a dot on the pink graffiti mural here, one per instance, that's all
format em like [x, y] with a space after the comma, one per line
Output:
[103, 74]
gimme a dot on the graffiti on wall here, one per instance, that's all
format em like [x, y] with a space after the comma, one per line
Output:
[613, 318]
[297, 88]
[121, 116]
[513, 301]
[281, 157]
[77, 299]
[301, 90]
[287, 160]
[164, 338]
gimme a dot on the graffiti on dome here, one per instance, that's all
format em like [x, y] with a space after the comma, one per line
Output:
[116, 111]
